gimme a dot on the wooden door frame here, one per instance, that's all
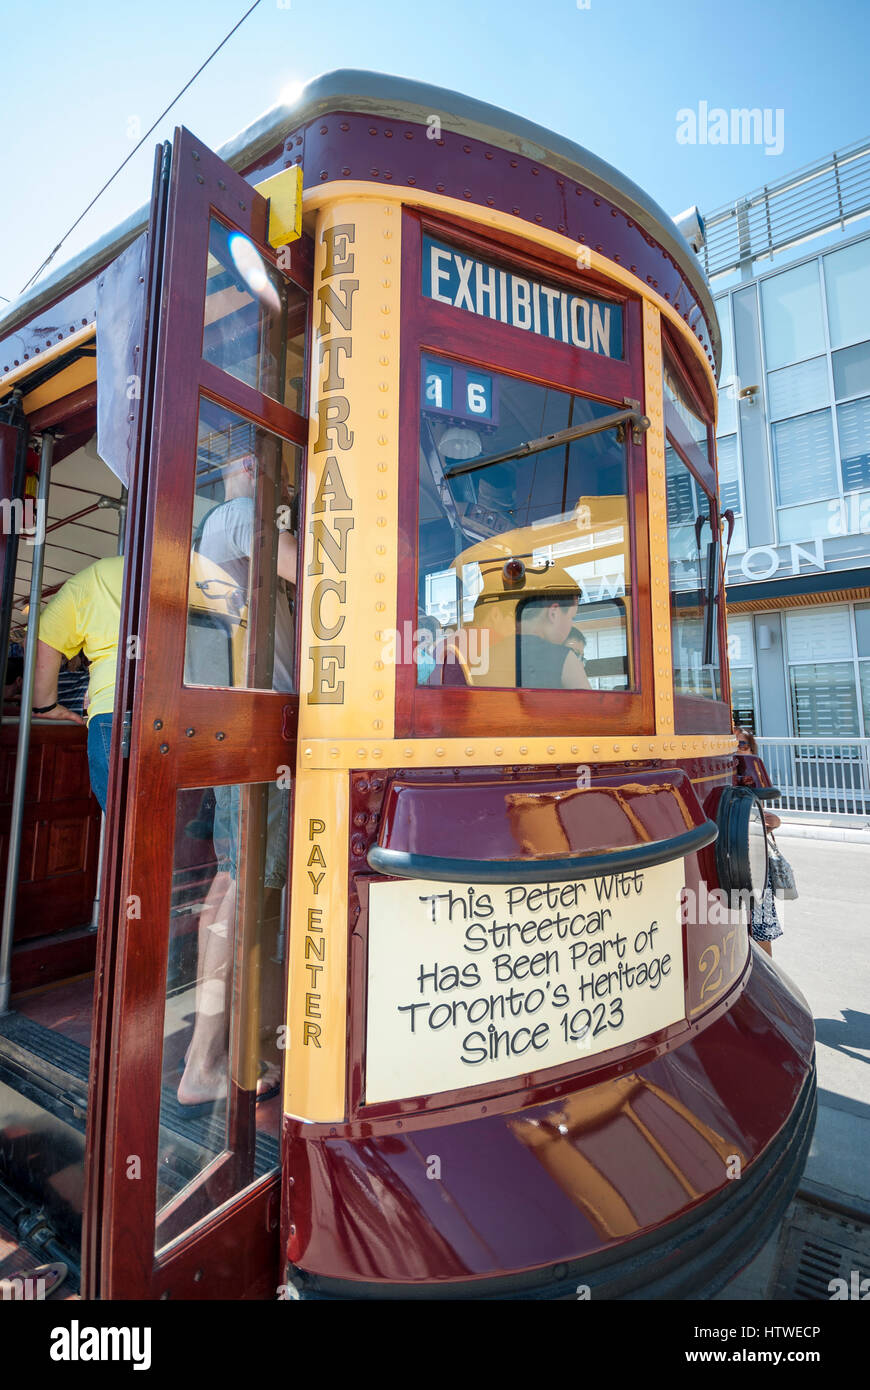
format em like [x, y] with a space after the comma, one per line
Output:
[238, 738]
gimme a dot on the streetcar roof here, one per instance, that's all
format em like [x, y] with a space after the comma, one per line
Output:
[400, 98]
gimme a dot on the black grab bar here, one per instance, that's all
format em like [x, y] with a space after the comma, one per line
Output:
[400, 863]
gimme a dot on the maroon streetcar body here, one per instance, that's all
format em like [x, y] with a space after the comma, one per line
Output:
[585, 1171]
[414, 961]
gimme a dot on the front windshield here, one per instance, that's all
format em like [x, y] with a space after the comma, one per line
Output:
[524, 572]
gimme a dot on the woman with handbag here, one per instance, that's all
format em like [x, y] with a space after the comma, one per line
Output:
[764, 923]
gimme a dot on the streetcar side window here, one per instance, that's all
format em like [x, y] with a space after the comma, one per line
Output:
[524, 575]
[693, 583]
[693, 543]
[676, 396]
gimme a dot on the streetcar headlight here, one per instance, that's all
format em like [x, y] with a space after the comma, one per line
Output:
[741, 849]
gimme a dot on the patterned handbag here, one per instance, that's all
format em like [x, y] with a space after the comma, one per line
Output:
[779, 872]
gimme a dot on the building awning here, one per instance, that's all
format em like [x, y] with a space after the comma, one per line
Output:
[799, 591]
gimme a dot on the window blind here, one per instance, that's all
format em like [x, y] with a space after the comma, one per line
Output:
[819, 634]
[823, 698]
[729, 484]
[796, 390]
[803, 453]
[853, 422]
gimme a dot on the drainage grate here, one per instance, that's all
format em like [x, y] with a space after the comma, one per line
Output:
[816, 1247]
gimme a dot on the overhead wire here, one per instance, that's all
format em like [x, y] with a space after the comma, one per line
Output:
[50, 257]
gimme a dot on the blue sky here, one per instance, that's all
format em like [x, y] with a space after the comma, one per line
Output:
[612, 76]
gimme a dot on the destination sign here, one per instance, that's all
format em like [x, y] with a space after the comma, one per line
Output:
[581, 321]
[471, 983]
[457, 390]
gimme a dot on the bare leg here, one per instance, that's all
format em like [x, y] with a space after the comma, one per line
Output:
[765, 946]
[205, 1072]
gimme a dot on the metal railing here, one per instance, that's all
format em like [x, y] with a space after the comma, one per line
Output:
[822, 775]
[831, 193]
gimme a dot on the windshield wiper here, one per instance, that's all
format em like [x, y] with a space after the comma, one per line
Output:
[712, 599]
[711, 591]
[618, 420]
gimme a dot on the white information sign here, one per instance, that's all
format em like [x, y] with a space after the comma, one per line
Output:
[471, 983]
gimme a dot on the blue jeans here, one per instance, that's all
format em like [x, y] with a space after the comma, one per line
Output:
[272, 862]
[99, 743]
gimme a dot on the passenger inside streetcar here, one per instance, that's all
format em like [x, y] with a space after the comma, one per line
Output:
[545, 659]
[45, 1037]
[225, 537]
[84, 616]
[524, 529]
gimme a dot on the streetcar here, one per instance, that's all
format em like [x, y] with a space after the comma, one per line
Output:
[410, 958]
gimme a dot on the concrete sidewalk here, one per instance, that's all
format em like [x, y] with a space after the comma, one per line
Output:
[856, 833]
[824, 951]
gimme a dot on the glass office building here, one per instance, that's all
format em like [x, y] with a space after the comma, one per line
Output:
[790, 267]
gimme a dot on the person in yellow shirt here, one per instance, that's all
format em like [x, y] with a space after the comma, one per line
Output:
[85, 615]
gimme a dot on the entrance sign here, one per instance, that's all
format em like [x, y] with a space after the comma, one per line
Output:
[471, 983]
[452, 277]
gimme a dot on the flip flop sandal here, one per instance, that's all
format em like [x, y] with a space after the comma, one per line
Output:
[203, 1107]
[195, 1110]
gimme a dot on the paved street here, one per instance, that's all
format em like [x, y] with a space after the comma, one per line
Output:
[824, 950]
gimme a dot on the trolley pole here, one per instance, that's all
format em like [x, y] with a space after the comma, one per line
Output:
[17, 811]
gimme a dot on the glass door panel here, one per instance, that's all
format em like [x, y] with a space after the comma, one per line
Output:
[219, 1106]
[254, 321]
[241, 596]
[201, 893]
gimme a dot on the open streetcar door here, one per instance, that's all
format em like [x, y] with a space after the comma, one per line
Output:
[182, 1179]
